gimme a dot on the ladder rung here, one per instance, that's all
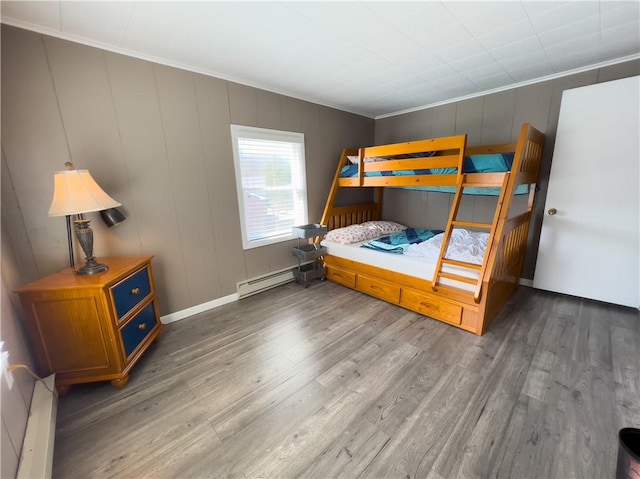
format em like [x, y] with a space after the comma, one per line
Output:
[471, 224]
[482, 185]
[462, 264]
[484, 180]
[456, 277]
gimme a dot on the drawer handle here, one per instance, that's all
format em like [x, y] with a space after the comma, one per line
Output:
[135, 291]
[142, 326]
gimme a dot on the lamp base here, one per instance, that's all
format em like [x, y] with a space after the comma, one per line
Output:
[85, 238]
[92, 267]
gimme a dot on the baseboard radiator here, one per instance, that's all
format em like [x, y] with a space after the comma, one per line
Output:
[262, 283]
[36, 459]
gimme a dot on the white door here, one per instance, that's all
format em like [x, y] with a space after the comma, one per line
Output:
[590, 239]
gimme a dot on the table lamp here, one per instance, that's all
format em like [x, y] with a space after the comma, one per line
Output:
[112, 217]
[76, 192]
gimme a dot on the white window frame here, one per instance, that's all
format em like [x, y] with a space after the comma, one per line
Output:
[240, 131]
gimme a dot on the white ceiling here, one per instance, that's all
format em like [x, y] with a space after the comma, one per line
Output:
[372, 58]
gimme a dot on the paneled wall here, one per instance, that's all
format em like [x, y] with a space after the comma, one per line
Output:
[157, 139]
[494, 118]
[17, 400]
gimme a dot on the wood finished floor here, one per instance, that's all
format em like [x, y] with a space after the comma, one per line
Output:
[327, 382]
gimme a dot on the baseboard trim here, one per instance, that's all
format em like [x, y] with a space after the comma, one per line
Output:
[200, 308]
[526, 282]
[36, 459]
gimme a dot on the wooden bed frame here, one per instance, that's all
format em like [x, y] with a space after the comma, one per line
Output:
[499, 274]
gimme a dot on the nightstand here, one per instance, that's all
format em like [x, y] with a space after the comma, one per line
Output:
[92, 328]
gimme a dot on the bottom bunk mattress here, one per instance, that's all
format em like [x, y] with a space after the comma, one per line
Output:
[419, 261]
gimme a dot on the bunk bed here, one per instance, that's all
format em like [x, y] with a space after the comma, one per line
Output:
[465, 293]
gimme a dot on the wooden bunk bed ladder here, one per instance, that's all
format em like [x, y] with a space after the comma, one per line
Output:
[466, 181]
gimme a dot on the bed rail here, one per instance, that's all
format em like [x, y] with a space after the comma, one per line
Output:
[447, 152]
[505, 265]
[508, 258]
[341, 216]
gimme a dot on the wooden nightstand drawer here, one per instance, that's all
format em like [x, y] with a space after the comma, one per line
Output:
[131, 292]
[134, 332]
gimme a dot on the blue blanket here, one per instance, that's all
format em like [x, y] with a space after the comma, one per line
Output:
[397, 243]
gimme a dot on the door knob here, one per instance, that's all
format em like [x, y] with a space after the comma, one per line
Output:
[552, 211]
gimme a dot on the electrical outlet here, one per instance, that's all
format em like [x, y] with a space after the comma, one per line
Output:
[4, 364]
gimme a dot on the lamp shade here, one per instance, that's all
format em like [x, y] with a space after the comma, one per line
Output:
[76, 192]
[112, 217]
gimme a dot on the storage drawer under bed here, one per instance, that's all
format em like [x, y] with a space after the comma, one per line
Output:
[413, 299]
[340, 276]
[432, 307]
[378, 288]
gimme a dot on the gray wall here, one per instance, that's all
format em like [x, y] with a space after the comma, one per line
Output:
[156, 139]
[17, 400]
[494, 118]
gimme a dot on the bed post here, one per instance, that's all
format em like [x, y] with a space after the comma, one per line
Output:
[328, 208]
[378, 200]
[507, 254]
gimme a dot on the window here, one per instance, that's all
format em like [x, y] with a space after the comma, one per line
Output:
[271, 183]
